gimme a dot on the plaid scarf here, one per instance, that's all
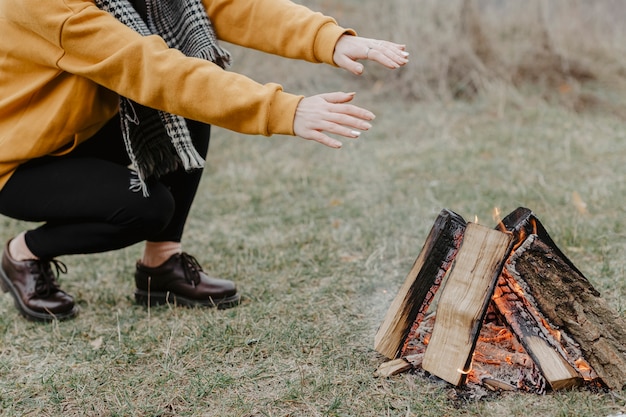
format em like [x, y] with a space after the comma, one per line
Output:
[158, 142]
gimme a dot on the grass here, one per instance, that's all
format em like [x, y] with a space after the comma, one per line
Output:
[319, 242]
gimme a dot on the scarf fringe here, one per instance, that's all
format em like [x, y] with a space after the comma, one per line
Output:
[138, 184]
[157, 142]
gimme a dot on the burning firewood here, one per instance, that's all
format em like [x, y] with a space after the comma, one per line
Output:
[421, 284]
[558, 320]
[541, 346]
[464, 301]
[593, 334]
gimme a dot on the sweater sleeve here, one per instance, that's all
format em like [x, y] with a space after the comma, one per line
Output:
[279, 27]
[88, 42]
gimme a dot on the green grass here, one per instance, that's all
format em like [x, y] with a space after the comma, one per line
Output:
[319, 242]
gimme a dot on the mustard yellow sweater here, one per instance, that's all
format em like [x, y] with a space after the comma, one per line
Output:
[64, 63]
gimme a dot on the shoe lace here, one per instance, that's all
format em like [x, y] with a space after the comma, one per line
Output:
[191, 268]
[46, 283]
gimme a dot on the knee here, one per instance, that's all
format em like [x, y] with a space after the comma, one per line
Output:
[158, 211]
[147, 216]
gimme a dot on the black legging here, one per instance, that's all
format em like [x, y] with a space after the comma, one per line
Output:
[85, 201]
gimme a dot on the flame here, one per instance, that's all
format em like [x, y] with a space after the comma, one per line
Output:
[496, 217]
[523, 233]
[582, 364]
[473, 377]
[585, 369]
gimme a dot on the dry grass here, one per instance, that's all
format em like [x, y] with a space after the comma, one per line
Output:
[319, 240]
[570, 52]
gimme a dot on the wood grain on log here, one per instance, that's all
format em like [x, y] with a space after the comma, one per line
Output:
[421, 283]
[393, 367]
[465, 296]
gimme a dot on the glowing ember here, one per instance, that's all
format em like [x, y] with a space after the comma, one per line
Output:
[523, 233]
[585, 369]
[500, 361]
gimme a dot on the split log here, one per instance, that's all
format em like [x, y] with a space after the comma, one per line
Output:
[566, 299]
[570, 303]
[464, 300]
[541, 346]
[494, 385]
[393, 367]
[417, 292]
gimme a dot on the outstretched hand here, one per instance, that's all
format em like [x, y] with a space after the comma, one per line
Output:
[350, 49]
[330, 113]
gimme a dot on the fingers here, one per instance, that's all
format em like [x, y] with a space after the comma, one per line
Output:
[350, 49]
[331, 113]
[349, 64]
[336, 104]
[337, 97]
[389, 54]
[336, 107]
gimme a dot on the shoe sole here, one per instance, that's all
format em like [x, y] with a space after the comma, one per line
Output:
[7, 286]
[159, 298]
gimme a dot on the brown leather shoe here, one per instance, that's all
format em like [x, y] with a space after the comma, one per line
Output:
[180, 280]
[34, 287]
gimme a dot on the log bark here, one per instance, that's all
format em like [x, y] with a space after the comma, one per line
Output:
[464, 300]
[546, 352]
[570, 303]
[421, 283]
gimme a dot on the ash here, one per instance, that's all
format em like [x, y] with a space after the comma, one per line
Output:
[499, 363]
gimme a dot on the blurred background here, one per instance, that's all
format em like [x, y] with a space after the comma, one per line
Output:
[568, 51]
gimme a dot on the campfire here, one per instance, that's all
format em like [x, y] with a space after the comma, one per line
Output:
[503, 308]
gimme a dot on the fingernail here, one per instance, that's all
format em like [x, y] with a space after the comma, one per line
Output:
[355, 133]
[405, 54]
[368, 126]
